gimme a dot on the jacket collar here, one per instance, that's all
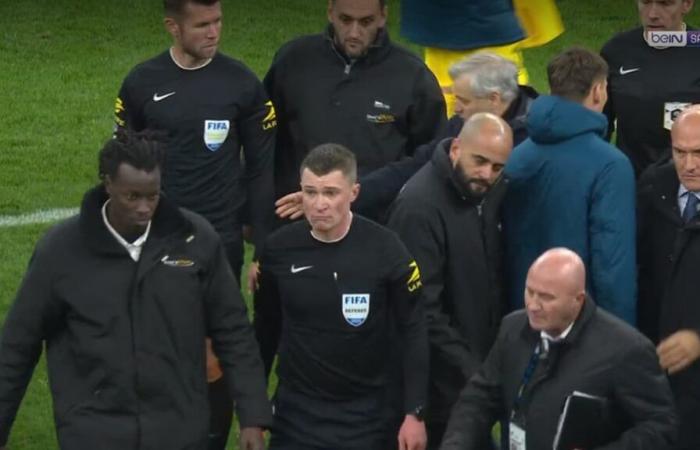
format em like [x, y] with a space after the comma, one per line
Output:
[661, 183]
[443, 165]
[584, 317]
[517, 111]
[167, 220]
[377, 50]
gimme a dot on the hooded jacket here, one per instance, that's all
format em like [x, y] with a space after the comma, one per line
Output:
[569, 188]
[455, 239]
[124, 339]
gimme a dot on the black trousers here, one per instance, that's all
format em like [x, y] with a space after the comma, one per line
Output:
[220, 403]
[303, 422]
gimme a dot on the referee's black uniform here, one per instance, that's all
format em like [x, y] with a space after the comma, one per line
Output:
[328, 310]
[209, 114]
[645, 86]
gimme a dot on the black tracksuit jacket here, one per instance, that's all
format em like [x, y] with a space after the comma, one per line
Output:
[381, 106]
[455, 239]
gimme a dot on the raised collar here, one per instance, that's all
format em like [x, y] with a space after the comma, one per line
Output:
[376, 50]
[167, 220]
[580, 323]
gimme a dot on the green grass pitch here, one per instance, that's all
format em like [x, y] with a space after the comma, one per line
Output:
[61, 65]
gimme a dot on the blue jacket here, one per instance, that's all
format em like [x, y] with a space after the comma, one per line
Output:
[460, 24]
[569, 187]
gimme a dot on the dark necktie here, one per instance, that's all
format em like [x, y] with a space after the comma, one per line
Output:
[691, 208]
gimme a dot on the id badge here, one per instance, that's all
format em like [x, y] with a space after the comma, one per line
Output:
[517, 437]
[671, 111]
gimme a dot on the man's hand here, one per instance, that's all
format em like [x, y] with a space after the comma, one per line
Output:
[679, 350]
[289, 206]
[412, 434]
[252, 439]
[213, 368]
[253, 273]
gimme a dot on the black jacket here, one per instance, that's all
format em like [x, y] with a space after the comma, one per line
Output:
[380, 187]
[125, 339]
[669, 257]
[601, 356]
[456, 241]
[381, 106]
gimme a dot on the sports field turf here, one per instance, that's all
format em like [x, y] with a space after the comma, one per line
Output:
[61, 64]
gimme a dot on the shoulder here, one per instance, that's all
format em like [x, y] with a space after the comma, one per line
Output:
[609, 330]
[202, 229]
[379, 237]
[622, 42]
[308, 44]
[146, 68]
[287, 235]
[234, 67]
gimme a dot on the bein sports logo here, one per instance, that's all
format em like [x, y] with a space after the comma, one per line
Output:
[674, 38]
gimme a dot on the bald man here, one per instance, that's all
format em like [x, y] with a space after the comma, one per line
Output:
[561, 343]
[452, 203]
[669, 257]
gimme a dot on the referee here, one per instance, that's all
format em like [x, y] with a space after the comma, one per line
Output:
[335, 291]
[211, 107]
[648, 86]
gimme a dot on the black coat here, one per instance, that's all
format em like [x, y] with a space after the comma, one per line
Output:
[125, 339]
[456, 241]
[601, 356]
[381, 106]
[669, 282]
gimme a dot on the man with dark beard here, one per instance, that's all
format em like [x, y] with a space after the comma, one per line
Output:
[447, 215]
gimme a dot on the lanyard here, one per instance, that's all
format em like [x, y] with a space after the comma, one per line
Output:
[527, 376]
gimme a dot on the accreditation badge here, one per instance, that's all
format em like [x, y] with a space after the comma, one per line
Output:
[516, 437]
[215, 133]
[671, 111]
[355, 308]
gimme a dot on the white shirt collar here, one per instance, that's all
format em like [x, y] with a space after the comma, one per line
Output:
[561, 337]
[172, 56]
[133, 248]
[682, 190]
[331, 241]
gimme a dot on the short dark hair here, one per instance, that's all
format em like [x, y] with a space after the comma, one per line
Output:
[175, 7]
[382, 3]
[326, 158]
[572, 73]
[143, 151]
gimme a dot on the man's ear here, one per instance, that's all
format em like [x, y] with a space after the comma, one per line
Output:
[355, 192]
[454, 151]
[172, 27]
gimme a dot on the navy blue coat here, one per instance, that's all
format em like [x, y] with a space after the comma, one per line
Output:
[569, 188]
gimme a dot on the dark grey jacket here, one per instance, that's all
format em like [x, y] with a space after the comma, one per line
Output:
[601, 356]
[125, 339]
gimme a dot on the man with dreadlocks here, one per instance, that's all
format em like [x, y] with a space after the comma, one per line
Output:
[123, 295]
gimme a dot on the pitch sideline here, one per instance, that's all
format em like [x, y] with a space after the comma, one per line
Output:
[37, 217]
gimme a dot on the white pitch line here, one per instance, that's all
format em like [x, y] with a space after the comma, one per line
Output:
[37, 217]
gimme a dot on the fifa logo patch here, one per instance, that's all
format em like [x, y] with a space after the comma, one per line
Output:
[215, 133]
[355, 308]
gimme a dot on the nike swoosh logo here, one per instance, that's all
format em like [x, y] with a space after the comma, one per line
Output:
[299, 269]
[624, 71]
[157, 98]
